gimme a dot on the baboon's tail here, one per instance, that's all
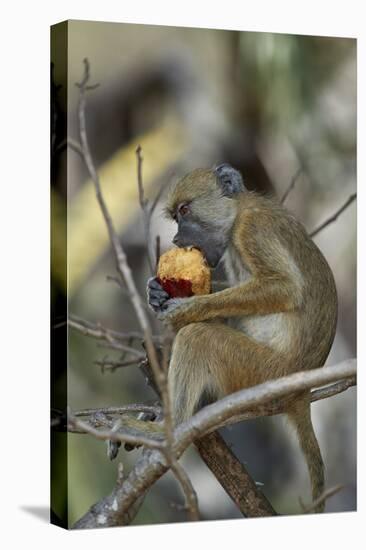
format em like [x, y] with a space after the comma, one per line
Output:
[299, 415]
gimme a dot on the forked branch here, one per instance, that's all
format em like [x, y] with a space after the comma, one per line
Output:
[160, 374]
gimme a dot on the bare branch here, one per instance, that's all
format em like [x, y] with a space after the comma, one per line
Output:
[279, 406]
[114, 434]
[151, 466]
[96, 330]
[73, 144]
[159, 195]
[114, 509]
[133, 407]
[121, 260]
[190, 494]
[271, 409]
[217, 414]
[234, 477]
[292, 184]
[101, 333]
[322, 498]
[108, 364]
[334, 389]
[334, 216]
[160, 374]
[144, 203]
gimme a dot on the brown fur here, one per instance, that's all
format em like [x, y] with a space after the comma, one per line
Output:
[279, 315]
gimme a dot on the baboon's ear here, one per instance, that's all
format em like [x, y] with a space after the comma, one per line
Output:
[229, 179]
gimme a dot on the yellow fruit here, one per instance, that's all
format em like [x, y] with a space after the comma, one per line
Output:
[183, 272]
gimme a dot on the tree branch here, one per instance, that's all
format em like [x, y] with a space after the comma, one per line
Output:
[146, 211]
[234, 477]
[109, 365]
[133, 407]
[96, 330]
[292, 184]
[323, 497]
[152, 464]
[116, 433]
[121, 261]
[160, 374]
[334, 216]
[221, 412]
[275, 408]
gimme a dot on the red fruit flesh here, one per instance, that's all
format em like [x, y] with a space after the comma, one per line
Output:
[177, 288]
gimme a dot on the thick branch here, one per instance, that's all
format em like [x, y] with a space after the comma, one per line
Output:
[234, 477]
[275, 408]
[279, 406]
[153, 465]
[221, 412]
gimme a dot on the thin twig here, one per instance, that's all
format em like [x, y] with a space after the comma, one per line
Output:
[334, 216]
[159, 195]
[292, 184]
[98, 331]
[191, 501]
[101, 333]
[133, 407]
[322, 498]
[108, 364]
[157, 251]
[144, 203]
[333, 389]
[73, 144]
[121, 261]
[114, 434]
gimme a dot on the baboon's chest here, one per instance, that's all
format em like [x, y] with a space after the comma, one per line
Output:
[272, 329]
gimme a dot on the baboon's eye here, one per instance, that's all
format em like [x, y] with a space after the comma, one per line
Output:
[183, 209]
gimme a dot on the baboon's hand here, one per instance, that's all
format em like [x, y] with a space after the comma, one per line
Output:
[167, 309]
[156, 296]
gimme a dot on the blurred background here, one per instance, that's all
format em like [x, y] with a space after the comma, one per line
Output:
[275, 107]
